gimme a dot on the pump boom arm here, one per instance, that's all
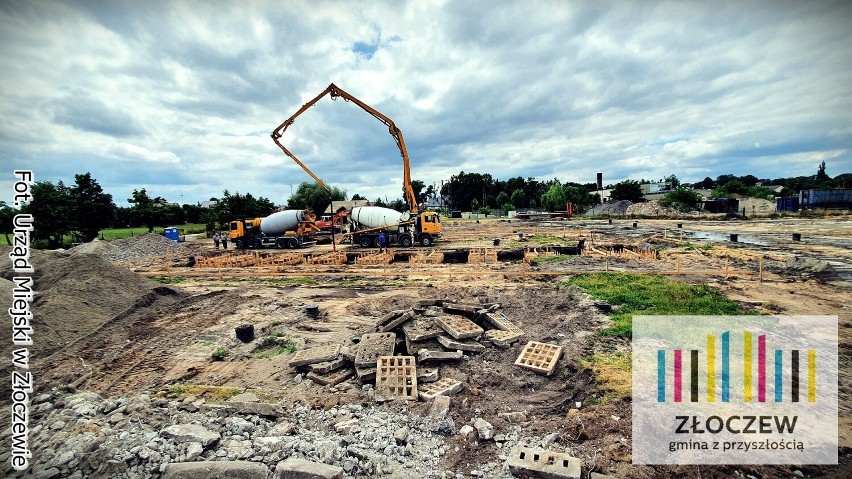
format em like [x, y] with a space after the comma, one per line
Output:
[334, 91]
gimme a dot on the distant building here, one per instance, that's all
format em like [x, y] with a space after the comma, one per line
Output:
[654, 188]
[209, 203]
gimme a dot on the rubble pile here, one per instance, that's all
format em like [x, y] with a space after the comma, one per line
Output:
[611, 208]
[403, 356]
[141, 246]
[650, 208]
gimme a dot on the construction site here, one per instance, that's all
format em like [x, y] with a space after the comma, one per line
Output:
[473, 357]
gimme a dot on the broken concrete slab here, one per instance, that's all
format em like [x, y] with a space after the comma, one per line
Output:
[442, 387]
[182, 433]
[524, 461]
[328, 366]
[539, 357]
[484, 429]
[348, 352]
[456, 345]
[421, 329]
[459, 327]
[468, 310]
[427, 375]
[315, 355]
[331, 379]
[514, 417]
[396, 378]
[295, 468]
[372, 346]
[216, 470]
[412, 347]
[439, 408]
[424, 303]
[385, 319]
[366, 374]
[426, 356]
[407, 316]
[500, 321]
[504, 339]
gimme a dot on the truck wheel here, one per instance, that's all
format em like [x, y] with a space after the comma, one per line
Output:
[281, 243]
[405, 241]
[364, 241]
[256, 243]
[425, 240]
[293, 243]
[376, 242]
[239, 244]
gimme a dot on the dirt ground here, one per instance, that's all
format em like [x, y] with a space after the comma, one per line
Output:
[108, 328]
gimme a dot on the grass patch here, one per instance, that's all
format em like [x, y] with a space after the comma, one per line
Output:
[273, 345]
[219, 354]
[212, 393]
[651, 295]
[612, 372]
[551, 259]
[296, 280]
[121, 233]
[545, 240]
[167, 280]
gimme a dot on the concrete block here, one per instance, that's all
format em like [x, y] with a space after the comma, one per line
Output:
[181, 433]
[504, 339]
[319, 354]
[412, 347]
[396, 378]
[539, 357]
[459, 327]
[407, 316]
[255, 408]
[216, 470]
[427, 375]
[500, 321]
[524, 461]
[597, 475]
[425, 303]
[328, 366]
[425, 356]
[456, 345]
[468, 310]
[295, 468]
[331, 379]
[385, 319]
[439, 408]
[372, 346]
[421, 329]
[366, 374]
[443, 387]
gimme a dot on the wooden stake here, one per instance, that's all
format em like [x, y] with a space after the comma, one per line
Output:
[678, 266]
[726, 267]
[760, 268]
[607, 265]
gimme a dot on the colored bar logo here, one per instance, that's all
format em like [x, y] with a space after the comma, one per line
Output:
[749, 368]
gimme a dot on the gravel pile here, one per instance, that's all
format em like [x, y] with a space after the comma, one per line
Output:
[650, 208]
[86, 435]
[611, 208]
[149, 244]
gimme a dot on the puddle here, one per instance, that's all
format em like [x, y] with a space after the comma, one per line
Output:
[711, 236]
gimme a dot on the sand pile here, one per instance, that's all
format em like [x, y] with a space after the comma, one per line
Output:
[141, 246]
[757, 206]
[611, 208]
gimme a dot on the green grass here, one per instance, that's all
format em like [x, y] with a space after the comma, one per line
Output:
[220, 354]
[546, 240]
[295, 280]
[551, 259]
[110, 234]
[651, 295]
[273, 345]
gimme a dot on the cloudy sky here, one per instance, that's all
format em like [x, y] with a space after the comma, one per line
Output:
[181, 97]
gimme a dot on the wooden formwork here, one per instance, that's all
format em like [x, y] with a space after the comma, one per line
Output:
[621, 251]
[228, 260]
[375, 258]
[337, 257]
[533, 253]
[421, 257]
[482, 255]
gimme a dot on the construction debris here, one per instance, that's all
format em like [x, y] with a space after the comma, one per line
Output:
[442, 387]
[316, 355]
[525, 461]
[396, 378]
[539, 357]
[459, 327]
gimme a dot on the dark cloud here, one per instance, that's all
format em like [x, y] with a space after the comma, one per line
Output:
[89, 114]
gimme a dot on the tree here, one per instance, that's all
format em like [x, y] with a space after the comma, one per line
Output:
[92, 209]
[237, 206]
[357, 197]
[315, 197]
[7, 215]
[507, 207]
[554, 198]
[192, 213]
[418, 186]
[681, 199]
[51, 208]
[821, 174]
[706, 184]
[398, 205]
[147, 211]
[502, 198]
[673, 180]
[474, 204]
[518, 198]
[629, 190]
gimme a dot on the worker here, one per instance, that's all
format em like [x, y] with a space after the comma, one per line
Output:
[224, 241]
[382, 242]
[216, 240]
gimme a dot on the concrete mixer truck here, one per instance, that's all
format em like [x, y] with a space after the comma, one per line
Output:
[369, 222]
[284, 229]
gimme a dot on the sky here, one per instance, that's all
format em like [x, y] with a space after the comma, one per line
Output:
[180, 97]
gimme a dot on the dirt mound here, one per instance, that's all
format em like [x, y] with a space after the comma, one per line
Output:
[74, 295]
[757, 206]
[650, 208]
[149, 244]
[611, 208]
